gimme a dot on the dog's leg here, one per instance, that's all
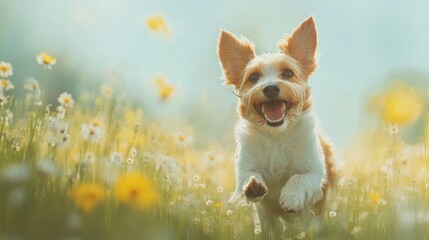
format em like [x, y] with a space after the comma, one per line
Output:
[250, 185]
[299, 190]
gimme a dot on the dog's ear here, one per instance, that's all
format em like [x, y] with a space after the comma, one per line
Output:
[302, 45]
[234, 54]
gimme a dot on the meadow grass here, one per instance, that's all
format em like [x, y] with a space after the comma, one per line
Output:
[98, 168]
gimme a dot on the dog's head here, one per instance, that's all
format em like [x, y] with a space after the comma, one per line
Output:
[272, 88]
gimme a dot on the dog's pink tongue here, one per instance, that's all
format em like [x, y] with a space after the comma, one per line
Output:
[274, 110]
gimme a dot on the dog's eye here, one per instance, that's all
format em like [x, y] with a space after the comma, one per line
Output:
[286, 74]
[254, 77]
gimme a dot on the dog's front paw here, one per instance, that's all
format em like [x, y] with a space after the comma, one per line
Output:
[292, 201]
[255, 190]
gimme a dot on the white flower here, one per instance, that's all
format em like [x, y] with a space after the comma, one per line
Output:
[209, 202]
[212, 158]
[91, 133]
[130, 161]
[6, 70]
[7, 118]
[196, 178]
[355, 231]
[46, 60]
[133, 152]
[66, 100]
[47, 167]
[17, 172]
[6, 85]
[229, 212]
[219, 189]
[116, 157]
[3, 99]
[31, 85]
[182, 140]
[61, 112]
[388, 171]
[332, 214]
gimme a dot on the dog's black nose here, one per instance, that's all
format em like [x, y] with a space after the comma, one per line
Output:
[271, 90]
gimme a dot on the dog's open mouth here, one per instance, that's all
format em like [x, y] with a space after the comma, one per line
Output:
[274, 111]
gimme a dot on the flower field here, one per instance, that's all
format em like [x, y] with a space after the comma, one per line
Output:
[95, 167]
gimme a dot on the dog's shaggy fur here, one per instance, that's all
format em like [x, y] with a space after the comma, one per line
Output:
[282, 161]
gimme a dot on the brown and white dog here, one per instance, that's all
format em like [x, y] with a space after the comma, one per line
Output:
[281, 159]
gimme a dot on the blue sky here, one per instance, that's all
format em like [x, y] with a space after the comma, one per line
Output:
[360, 44]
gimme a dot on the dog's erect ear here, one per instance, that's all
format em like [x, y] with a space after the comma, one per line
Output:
[234, 54]
[302, 45]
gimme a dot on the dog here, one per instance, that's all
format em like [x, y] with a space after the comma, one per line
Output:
[283, 164]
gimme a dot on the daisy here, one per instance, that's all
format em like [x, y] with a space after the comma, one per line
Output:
[46, 60]
[32, 85]
[129, 161]
[182, 140]
[212, 158]
[66, 100]
[6, 85]
[6, 70]
[91, 133]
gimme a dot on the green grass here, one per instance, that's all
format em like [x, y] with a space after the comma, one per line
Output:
[382, 192]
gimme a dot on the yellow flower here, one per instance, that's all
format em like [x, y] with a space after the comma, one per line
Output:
[6, 85]
[96, 122]
[165, 90]
[46, 59]
[402, 105]
[157, 23]
[87, 195]
[374, 197]
[136, 190]
[6, 70]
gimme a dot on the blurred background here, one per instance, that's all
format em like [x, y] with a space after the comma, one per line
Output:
[363, 45]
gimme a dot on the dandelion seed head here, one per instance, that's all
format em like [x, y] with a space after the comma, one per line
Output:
[196, 178]
[229, 212]
[332, 213]
[31, 85]
[116, 157]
